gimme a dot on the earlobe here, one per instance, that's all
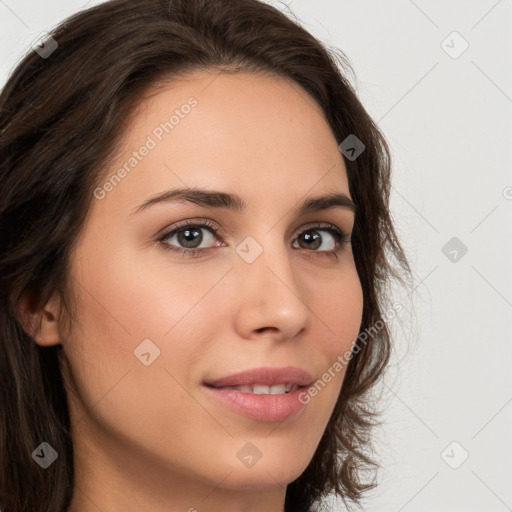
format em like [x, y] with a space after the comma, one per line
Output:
[40, 322]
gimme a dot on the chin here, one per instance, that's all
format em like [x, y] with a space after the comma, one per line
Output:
[264, 476]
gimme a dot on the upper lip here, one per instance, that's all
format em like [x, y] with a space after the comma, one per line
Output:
[266, 376]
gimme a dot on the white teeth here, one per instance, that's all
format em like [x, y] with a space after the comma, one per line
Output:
[260, 389]
[277, 389]
[272, 390]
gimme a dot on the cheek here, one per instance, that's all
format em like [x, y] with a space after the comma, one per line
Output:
[119, 392]
[123, 302]
[137, 298]
[340, 308]
[338, 313]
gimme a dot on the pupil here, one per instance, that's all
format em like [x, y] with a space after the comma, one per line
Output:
[314, 238]
[186, 237]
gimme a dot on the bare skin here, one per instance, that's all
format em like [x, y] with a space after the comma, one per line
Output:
[149, 438]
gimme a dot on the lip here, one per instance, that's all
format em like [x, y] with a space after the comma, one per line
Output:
[268, 408]
[264, 407]
[268, 376]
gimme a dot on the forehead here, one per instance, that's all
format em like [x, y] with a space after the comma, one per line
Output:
[244, 132]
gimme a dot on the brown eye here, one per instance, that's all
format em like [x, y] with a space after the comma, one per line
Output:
[315, 239]
[189, 236]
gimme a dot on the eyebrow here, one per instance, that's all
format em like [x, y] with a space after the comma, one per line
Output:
[231, 201]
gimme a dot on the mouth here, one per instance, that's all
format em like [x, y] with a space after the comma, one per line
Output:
[261, 389]
[262, 394]
[264, 380]
[260, 406]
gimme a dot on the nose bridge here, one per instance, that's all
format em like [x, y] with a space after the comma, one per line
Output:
[270, 290]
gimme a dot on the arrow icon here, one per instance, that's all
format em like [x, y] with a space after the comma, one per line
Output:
[454, 252]
[454, 249]
[454, 455]
[249, 455]
[45, 455]
[454, 45]
[249, 253]
[147, 352]
[351, 147]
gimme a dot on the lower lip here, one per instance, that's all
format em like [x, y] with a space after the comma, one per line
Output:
[264, 407]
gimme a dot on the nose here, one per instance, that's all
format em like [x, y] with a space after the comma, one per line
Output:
[272, 301]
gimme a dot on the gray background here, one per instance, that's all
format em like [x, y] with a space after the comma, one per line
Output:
[447, 117]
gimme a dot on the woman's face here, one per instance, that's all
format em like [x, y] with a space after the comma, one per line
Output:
[263, 289]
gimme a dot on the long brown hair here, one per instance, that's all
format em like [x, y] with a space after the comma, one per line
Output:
[60, 120]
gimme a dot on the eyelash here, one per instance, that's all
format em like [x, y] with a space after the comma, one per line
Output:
[340, 237]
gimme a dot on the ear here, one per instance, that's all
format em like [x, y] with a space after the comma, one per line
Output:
[40, 322]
